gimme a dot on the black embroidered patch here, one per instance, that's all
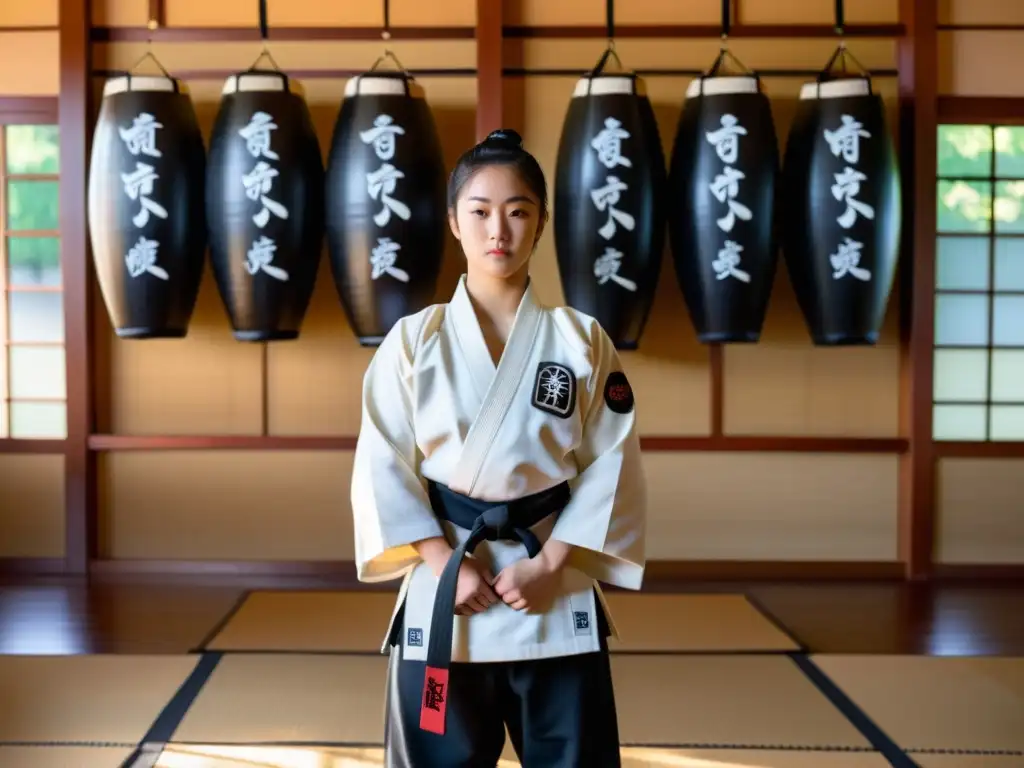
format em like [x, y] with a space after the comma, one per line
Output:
[617, 392]
[416, 636]
[581, 620]
[554, 389]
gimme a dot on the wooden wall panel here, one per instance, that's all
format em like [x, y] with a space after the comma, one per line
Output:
[32, 511]
[226, 505]
[30, 64]
[290, 13]
[765, 506]
[290, 55]
[980, 63]
[980, 12]
[38, 13]
[818, 11]
[542, 12]
[246, 505]
[980, 511]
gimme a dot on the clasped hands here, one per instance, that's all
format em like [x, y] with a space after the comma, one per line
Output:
[527, 584]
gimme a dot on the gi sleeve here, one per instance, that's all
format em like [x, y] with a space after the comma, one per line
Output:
[390, 505]
[605, 520]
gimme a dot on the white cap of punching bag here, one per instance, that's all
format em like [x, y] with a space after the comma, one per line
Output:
[261, 81]
[373, 84]
[715, 86]
[836, 89]
[126, 83]
[603, 85]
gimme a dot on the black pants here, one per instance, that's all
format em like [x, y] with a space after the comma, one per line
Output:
[560, 713]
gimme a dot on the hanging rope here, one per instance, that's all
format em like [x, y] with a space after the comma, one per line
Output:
[155, 12]
[264, 36]
[841, 54]
[724, 52]
[386, 35]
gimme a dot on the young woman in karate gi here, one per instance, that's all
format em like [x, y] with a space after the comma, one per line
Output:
[498, 473]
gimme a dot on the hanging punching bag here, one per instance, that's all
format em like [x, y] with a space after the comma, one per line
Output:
[385, 198]
[722, 186]
[145, 206]
[264, 205]
[841, 210]
[610, 185]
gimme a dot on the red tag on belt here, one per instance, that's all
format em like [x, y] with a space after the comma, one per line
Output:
[434, 700]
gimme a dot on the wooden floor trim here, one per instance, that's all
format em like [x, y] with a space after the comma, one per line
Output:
[32, 566]
[661, 574]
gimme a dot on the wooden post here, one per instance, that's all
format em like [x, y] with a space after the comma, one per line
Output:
[489, 93]
[79, 462]
[918, 110]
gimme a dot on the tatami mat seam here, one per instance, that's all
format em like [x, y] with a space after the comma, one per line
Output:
[859, 719]
[160, 733]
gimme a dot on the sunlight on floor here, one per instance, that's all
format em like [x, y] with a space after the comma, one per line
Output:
[201, 756]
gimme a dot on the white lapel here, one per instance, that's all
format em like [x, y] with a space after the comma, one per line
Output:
[495, 386]
[464, 327]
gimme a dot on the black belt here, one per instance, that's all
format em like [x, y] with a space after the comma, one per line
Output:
[490, 520]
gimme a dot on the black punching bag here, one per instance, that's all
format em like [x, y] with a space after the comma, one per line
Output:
[722, 187]
[610, 186]
[841, 210]
[385, 199]
[145, 201]
[264, 205]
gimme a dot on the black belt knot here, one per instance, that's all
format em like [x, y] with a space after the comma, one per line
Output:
[495, 525]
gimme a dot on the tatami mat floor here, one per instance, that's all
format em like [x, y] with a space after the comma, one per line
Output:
[289, 680]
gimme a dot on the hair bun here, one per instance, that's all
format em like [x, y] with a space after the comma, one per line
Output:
[504, 137]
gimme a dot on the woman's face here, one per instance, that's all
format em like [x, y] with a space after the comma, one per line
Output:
[498, 221]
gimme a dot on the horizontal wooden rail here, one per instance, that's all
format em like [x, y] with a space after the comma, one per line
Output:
[980, 27]
[679, 72]
[29, 28]
[980, 109]
[653, 443]
[18, 445]
[328, 73]
[596, 32]
[275, 34]
[969, 449]
[665, 31]
[660, 575]
[298, 74]
[28, 109]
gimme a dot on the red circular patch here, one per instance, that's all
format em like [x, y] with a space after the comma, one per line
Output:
[617, 393]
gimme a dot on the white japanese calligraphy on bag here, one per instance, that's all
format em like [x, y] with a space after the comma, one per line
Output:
[435, 406]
